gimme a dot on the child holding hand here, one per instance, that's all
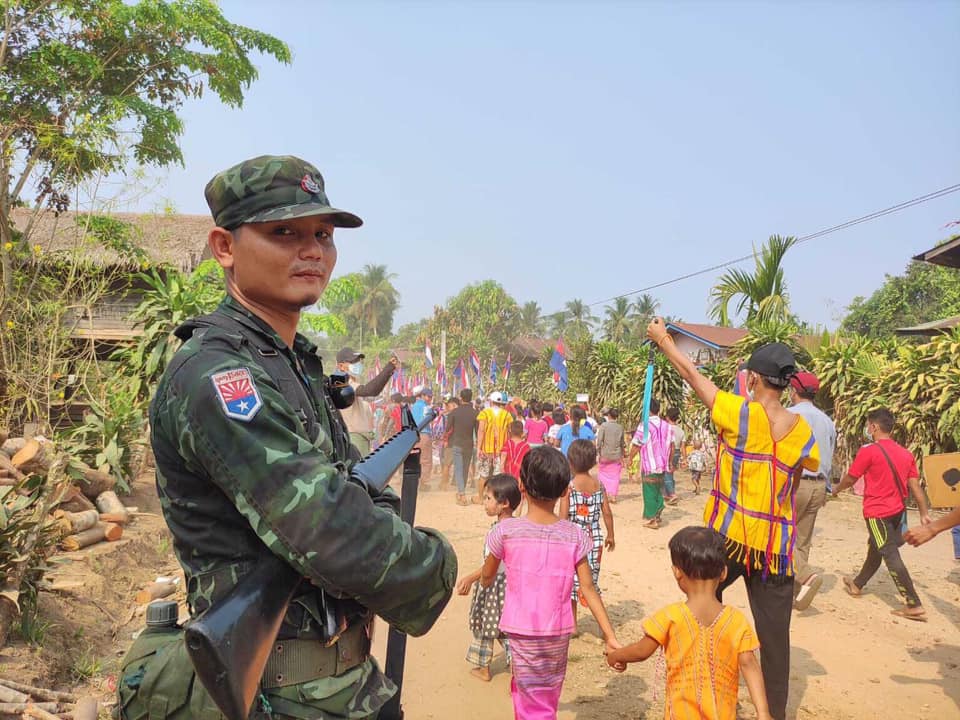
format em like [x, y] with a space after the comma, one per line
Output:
[707, 644]
[501, 496]
[540, 552]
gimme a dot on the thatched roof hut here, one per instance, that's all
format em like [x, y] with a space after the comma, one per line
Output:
[120, 244]
[168, 240]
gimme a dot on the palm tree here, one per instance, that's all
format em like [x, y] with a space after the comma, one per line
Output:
[618, 325]
[644, 310]
[762, 293]
[531, 319]
[557, 323]
[375, 307]
[579, 317]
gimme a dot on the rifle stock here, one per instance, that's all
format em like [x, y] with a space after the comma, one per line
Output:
[229, 643]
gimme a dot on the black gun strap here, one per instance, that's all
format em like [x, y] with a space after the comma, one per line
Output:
[901, 485]
[274, 364]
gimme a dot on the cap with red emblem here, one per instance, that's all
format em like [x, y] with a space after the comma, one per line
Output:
[270, 188]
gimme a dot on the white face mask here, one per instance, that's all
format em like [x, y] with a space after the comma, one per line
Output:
[867, 434]
[356, 369]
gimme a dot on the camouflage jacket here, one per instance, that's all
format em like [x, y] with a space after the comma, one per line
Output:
[239, 478]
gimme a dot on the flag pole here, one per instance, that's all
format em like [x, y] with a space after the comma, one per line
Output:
[443, 357]
[648, 393]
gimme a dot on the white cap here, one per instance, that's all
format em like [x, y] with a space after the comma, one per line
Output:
[498, 396]
[417, 390]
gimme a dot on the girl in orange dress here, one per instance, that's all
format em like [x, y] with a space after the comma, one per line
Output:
[706, 644]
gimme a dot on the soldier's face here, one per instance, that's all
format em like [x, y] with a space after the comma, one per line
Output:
[287, 263]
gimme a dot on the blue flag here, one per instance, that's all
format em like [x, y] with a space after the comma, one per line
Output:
[494, 371]
[558, 363]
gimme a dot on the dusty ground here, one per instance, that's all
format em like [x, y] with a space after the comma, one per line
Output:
[851, 658]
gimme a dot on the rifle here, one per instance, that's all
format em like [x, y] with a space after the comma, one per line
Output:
[229, 643]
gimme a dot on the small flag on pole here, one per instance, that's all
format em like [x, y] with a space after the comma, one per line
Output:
[428, 353]
[506, 370]
[475, 365]
[558, 363]
[494, 371]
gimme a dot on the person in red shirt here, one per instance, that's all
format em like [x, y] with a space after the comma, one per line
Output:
[888, 470]
[514, 449]
[396, 411]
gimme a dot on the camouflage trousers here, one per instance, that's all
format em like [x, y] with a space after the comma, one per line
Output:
[157, 682]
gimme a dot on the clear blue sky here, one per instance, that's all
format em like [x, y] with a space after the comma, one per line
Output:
[587, 149]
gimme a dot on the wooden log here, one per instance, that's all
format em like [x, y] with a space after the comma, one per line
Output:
[38, 692]
[33, 457]
[80, 521]
[118, 518]
[95, 482]
[110, 504]
[9, 611]
[10, 708]
[76, 501]
[155, 591]
[102, 531]
[35, 711]
[11, 445]
[4, 434]
[87, 708]
[9, 469]
[11, 695]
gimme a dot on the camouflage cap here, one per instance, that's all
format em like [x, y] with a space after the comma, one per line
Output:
[270, 188]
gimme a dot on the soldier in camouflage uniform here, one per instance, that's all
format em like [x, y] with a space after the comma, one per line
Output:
[242, 473]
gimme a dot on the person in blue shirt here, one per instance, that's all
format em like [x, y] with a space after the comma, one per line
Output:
[423, 402]
[576, 429]
[811, 492]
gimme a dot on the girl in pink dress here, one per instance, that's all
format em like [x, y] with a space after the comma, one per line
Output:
[541, 552]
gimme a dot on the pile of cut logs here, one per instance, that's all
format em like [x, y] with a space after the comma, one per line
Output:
[20, 700]
[89, 512]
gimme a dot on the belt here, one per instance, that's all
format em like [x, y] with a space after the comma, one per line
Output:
[813, 477]
[294, 662]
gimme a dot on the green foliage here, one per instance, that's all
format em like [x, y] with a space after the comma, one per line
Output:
[340, 294]
[482, 316]
[82, 80]
[169, 300]
[121, 237]
[923, 293]
[26, 539]
[111, 431]
[612, 375]
[761, 332]
[919, 383]
[762, 293]
[531, 319]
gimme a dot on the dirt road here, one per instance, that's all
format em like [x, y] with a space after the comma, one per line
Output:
[850, 658]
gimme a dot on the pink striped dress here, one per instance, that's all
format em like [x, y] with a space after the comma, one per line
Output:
[537, 617]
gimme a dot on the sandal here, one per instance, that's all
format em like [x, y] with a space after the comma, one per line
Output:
[851, 587]
[462, 501]
[905, 613]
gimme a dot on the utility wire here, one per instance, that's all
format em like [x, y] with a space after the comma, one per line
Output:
[806, 238]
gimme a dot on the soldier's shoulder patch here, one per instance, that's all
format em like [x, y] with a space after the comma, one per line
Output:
[238, 394]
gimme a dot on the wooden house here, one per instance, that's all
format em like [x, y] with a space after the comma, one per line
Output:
[163, 241]
[704, 344]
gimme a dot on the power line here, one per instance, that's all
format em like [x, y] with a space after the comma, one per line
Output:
[812, 236]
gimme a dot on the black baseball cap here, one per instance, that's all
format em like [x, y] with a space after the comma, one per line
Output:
[348, 355]
[775, 362]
